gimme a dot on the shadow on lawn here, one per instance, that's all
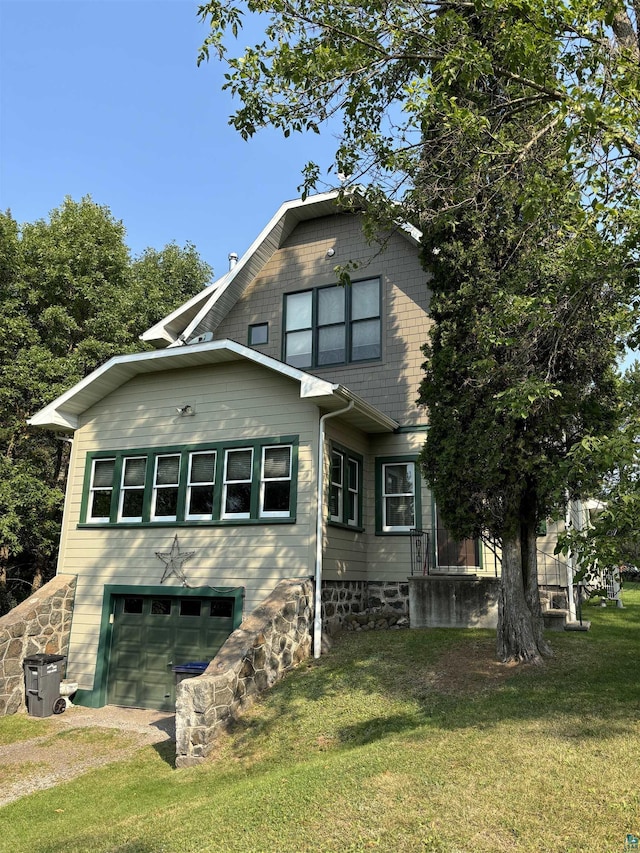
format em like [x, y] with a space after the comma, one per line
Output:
[449, 680]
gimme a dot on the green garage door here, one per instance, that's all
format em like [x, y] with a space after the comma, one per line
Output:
[151, 634]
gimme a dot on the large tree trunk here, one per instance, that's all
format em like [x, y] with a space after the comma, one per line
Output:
[517, 635]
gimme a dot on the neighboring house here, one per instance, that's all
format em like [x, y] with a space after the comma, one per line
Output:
[273, 434]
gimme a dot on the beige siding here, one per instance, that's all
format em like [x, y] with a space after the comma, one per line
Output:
[234, 402]
[302, 263]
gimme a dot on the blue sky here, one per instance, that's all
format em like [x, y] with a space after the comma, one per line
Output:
[103, 97]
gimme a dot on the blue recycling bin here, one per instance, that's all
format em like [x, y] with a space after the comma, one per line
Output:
[189, 670]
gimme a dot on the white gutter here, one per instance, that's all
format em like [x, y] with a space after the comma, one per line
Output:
[317, 620]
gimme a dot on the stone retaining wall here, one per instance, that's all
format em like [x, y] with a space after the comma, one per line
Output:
[356, 605]
[42, 623]
[268, 643]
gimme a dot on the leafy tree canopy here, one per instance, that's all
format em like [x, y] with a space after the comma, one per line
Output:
[71, 296]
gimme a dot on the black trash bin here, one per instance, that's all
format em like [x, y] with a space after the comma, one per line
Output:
[189, 670]
[42, 676]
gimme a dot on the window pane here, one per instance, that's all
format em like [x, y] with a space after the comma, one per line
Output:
[166, 503]
[168, 470]
[365, 299]
[203, 467]
[238, 498]
[190, 607]
[365, 340]
[221, 607]
[134, 471]
[277, 462]
[201, 500]
[331, 345]
[239, 464]
[353, 474]
[400, 511]
[398, 479]
[132, 503]
[161, 607]
[100, 505]
[298, 311]
[258, 334]
[132, 605]
[103, 473]
[298, 351]
[276, 495]
[330, 305]
[336, 468]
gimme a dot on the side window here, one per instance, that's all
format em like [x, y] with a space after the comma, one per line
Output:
[258, 334]
[298, 329]
[345, 493]
[101, 489]
[275, 482]
[336, 494]
[200, 484]
[397, 496]
[132, 488]
[165, 488]
[236, 494]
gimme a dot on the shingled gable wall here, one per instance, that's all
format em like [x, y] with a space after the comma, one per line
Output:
[42, 623]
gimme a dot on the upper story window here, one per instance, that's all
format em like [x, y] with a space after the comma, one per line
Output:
[258, 334]
[333, 325]
[254, 480]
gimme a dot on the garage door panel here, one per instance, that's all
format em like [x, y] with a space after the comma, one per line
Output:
[152, 634]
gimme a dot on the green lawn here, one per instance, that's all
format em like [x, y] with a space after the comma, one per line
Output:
[397, 741]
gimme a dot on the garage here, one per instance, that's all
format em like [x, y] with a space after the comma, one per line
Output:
[153, 633]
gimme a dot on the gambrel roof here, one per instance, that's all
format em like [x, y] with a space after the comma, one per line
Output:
[207, 309]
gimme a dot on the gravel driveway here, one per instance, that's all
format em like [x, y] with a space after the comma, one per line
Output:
[92, 737]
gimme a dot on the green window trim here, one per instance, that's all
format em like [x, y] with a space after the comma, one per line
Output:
[343, 503]
[400, 530]
[182, 486]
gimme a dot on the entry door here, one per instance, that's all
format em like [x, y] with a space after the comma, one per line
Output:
[152, 634]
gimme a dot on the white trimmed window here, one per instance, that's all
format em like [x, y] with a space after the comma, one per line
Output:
[132, 488]
[275, 482]
[236, 490]
[336, 494]
[398, 497]
[166, 481]
[101, 489]
[200, 483]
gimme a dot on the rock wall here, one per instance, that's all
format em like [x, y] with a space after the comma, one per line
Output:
[362, 605]
[268, 643]
[42, 623]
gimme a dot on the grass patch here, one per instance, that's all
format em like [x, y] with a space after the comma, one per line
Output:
[397, 741]
[19, 727]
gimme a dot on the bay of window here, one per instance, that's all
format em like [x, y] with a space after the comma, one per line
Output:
[255, 480]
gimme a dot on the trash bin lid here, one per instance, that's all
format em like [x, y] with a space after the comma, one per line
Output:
[41, 658]
[196, 666]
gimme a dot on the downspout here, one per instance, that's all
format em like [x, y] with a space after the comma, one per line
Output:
[320, 492]
[570, 565]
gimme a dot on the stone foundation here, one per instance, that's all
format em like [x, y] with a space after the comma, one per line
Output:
[42, 623]
[268, 643]
[358, 605]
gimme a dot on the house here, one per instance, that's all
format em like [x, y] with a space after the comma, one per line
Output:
[273, 433]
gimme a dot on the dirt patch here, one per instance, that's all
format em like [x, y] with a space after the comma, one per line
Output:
[76, 741]
[471, 668]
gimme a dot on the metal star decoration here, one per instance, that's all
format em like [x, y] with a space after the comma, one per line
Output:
[173, 561]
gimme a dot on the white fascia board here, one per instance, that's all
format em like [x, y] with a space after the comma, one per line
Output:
[276, 222]
[159, 331]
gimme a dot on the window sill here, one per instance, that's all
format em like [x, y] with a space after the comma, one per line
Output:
[228, 522]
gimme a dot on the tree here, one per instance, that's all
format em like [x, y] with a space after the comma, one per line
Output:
[509, 132]
[70, 297]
